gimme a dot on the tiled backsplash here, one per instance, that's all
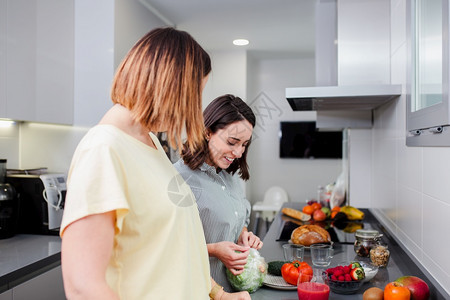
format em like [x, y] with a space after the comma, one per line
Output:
[32, 145]
[9, 144]
[410, 185]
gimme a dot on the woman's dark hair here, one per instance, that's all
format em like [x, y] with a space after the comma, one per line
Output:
[221, 112]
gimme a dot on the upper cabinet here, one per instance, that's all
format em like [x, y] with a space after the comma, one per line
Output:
[2, 56]
[428, 106]
[37, 60]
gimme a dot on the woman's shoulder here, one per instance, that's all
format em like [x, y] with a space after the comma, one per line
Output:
[180, 165]
[101, 135]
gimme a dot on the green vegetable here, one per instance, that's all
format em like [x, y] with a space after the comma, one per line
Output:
[274, 267]
[252, 278]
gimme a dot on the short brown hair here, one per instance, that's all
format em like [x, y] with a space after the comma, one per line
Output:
[221, 112]
[160, 82]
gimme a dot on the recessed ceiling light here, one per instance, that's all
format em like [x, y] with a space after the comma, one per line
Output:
[240, 42]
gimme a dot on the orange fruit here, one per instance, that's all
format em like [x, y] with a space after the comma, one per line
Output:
[308, 209]
[316, 206]
[336, 208]
[333, 214]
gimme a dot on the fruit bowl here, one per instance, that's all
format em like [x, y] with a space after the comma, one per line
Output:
[370, 271]
[343, 287]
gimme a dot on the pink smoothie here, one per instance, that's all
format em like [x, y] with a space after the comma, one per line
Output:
[313, 291]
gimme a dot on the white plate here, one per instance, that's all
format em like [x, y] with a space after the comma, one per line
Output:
[277, 282]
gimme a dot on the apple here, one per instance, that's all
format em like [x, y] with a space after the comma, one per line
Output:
[327, 211]
[419, 289]
[319, 215]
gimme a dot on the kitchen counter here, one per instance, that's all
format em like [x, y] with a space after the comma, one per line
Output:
[24, 257]
[399, 264]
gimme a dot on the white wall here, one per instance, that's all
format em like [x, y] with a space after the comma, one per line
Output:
[267, 80]
[131, 21]
[410, 185]
[228, 75]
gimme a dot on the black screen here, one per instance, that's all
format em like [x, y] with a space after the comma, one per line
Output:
[303, 140]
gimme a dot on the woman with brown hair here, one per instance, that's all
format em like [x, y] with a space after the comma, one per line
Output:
[209, 170]
[125, 232]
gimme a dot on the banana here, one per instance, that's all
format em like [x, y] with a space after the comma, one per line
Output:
[353, 226]
[352, 213]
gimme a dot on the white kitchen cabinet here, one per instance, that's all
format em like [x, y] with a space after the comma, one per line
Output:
[2, 56]
[48, 285]
[40, 61]
[6, 295]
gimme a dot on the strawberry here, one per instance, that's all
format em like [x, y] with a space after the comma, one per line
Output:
[357, 273]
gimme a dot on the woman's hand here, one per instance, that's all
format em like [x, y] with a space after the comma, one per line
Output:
[247, 238]
[226, 252]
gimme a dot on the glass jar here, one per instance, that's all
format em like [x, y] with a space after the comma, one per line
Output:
[379, 255]
[365, 241]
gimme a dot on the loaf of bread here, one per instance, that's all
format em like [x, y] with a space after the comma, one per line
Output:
[296, 214]
[307, 235]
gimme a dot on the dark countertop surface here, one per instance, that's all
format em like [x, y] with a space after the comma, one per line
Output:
[400, 263]
[25, 256]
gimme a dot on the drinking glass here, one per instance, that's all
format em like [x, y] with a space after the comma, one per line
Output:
[312, 286]
[293, 252]
[321, 254]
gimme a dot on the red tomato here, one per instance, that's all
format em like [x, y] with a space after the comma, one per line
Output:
[396, 291]
[292, 271]
[289, 272]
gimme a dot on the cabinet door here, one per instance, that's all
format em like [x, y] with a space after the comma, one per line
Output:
[39, 68]
[21, 62]
[6, 295]
[55, 61]
[43, 287]
[2, 58]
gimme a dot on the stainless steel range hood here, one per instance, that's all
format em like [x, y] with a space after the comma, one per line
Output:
[357, 97]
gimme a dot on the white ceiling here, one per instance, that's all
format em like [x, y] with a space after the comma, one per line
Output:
[283, 27]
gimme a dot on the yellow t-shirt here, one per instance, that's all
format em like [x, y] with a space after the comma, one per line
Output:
[159, 246]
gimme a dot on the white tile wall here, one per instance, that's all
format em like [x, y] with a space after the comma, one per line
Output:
[9, 145]
[51, 146]
[410, 185]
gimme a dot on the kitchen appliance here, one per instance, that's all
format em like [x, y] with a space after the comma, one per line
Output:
[302, 139]
[8, 205]
[41, 202]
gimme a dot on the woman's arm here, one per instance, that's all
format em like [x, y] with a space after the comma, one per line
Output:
[247, 238]
[87, 246]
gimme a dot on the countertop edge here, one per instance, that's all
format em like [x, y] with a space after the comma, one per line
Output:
[28, 272]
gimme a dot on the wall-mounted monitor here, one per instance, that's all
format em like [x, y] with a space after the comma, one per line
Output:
[304, 140]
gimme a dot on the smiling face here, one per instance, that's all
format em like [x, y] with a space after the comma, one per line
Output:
[228, 143]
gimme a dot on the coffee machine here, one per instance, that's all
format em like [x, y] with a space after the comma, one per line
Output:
[8, 205]
[41, 202]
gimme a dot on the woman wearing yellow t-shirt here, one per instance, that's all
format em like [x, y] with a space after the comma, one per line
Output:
[131, 228]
